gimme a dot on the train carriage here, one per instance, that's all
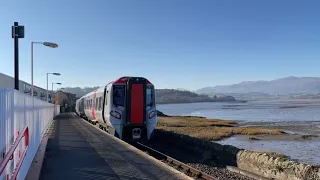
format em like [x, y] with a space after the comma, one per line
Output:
[80, 107]
[125, 108]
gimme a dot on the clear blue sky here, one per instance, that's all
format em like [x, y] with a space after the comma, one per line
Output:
[176, 44]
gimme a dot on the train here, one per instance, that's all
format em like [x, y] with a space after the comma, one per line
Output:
[125, 108]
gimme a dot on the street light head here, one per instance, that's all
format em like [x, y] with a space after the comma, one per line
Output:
[59, 83]
[50, 44]
[57, 74]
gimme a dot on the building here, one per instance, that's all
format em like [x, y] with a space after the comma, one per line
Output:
[65, 100]
[24, 87]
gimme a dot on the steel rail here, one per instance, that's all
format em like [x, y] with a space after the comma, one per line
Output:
[187, 169]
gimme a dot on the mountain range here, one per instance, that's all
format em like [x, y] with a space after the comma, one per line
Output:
[283, 86]
[164, 96]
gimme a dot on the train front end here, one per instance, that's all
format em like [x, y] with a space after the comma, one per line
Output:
[139, 115]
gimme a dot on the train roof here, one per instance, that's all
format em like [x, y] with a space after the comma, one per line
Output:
[124, 79]
[121, 80]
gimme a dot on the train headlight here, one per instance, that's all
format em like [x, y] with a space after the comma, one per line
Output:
[115, 114]
[152, 114]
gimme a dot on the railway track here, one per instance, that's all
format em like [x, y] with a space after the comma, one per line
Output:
[202, 174]
[188, 170]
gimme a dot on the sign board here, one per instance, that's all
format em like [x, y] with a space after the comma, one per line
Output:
[18, 31]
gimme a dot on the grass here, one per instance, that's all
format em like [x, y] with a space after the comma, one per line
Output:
[180, 121]
[209, 129]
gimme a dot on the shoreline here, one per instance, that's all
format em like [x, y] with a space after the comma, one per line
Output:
[209, 129]
[284, 138]
[290, 131]
[236, 101]
[306, 132]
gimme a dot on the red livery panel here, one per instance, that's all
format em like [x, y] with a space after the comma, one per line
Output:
[137, 101]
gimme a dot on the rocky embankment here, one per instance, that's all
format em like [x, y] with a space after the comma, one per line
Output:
[215, 159]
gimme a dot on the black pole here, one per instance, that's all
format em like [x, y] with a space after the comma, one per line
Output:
[16, 55]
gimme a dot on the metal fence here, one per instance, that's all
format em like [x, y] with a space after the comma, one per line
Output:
[21, 117]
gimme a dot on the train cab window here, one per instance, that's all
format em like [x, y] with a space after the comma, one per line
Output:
[150, 96]
[119, 95]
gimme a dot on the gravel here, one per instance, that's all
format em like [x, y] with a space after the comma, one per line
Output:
[194, 160]
[219, 173]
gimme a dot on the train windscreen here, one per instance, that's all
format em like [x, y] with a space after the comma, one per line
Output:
[119, 95]
[150, 96]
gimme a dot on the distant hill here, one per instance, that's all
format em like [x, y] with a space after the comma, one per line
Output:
[182, 89]
[169, 96]
[253, 96]
[164, 96]
[78, 91]
[282, 86]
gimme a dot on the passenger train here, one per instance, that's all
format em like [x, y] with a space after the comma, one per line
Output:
[125, 108]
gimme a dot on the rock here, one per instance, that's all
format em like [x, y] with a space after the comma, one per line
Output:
[253, 138]
[161, 114]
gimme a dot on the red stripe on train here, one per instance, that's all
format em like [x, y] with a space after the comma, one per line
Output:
[137, 101]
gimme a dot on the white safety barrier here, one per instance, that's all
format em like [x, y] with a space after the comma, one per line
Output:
[23, 122]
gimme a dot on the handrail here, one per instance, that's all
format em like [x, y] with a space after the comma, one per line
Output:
[8, 156]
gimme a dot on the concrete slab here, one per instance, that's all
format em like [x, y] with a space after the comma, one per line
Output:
[78, 150]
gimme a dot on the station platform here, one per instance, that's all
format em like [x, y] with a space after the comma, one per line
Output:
[78, 150]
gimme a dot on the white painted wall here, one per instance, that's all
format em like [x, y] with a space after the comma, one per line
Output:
[18, 110]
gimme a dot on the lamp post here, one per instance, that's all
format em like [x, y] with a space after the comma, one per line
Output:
[56, 74]
[48, 44]
[52, 90]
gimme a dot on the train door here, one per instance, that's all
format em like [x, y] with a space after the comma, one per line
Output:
[136, 101]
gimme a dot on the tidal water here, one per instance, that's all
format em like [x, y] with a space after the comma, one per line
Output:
[306, 151]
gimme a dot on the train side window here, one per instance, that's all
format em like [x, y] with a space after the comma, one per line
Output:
[106, 98]
[90, 103]
[87, 104]
[97, 104]
[100, 103]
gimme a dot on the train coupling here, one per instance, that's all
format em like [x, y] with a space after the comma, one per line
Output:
[136, 133]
